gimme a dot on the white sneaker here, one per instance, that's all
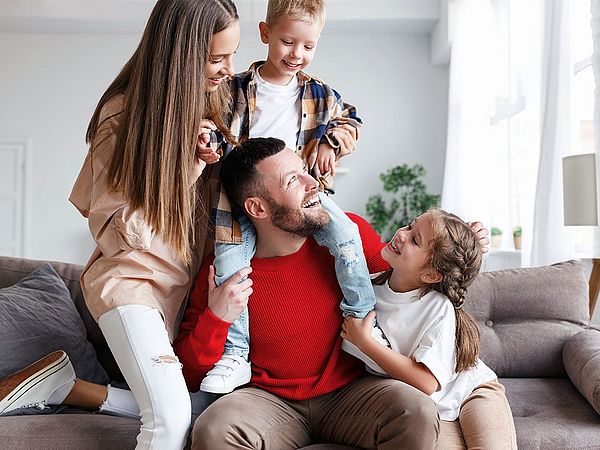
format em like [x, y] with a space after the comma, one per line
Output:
[47, 381]
[229, 372]
[372, 366]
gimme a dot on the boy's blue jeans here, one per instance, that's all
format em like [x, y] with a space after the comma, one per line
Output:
[340, 236]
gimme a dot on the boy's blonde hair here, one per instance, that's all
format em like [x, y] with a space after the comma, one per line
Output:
[305, 10]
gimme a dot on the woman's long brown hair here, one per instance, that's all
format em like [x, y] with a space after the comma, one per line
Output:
[456, 255]
[163, 85]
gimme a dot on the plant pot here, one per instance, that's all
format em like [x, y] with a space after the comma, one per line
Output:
[517, 241]
[496, 240]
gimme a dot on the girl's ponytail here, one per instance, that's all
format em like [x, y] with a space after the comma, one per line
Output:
[467, 333]
[456, 255]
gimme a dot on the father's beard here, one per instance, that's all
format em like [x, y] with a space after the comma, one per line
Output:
[295, 221]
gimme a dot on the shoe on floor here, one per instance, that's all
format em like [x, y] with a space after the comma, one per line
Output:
[229, 372]
[46, 381]
[372, 366]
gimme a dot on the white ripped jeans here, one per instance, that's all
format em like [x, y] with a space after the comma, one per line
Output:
[138, 339]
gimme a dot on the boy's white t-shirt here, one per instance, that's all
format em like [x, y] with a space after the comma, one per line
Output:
[424, 329]
[278, 111]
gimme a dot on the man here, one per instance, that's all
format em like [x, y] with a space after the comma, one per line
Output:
[304, 387]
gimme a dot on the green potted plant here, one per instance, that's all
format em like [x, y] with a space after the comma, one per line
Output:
[408, 198]
[517, 236]
[496, 237]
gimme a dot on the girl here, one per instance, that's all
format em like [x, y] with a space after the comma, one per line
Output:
[137, 188]
[434, 342]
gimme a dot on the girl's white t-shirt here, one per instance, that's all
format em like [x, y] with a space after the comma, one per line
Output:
[424, 329]
[278, 111]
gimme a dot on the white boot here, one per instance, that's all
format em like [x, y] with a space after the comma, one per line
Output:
[229, 372]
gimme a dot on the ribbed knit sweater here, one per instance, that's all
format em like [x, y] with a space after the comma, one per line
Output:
[295, 323]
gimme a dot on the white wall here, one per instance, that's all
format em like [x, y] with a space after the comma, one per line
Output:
[50, 83]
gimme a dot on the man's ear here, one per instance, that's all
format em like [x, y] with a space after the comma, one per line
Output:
[264, 32]
[431, 277]
[255, 207]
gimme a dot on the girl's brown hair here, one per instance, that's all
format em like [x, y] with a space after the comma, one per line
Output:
[456, 255]
[163, 85]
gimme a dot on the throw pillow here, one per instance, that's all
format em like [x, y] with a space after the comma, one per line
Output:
[37, 317]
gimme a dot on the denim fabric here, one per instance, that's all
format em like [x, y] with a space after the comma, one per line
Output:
[229, 259]
[342, 238]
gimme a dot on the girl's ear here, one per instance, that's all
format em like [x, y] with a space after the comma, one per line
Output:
[431, 277]
[264, 32]
[255, 208]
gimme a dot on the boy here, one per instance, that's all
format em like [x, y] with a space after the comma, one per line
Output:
[275, 98]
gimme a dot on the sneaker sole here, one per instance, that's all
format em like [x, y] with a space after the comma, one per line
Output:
[219, 390]
[29, 383]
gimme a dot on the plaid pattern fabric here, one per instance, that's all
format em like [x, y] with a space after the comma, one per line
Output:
[322, 109]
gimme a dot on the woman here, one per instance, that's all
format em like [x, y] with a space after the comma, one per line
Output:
[137, 189]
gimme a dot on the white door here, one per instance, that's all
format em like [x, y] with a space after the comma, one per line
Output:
[13, 198]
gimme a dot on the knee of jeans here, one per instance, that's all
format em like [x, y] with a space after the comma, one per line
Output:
[174, 417]
[169, 362]
[348, 253]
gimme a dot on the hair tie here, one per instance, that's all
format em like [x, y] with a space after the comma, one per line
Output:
[458, 307]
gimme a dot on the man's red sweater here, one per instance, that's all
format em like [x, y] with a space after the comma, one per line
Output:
[295, 323]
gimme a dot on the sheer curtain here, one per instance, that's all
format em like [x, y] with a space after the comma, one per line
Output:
[552, 241]
[468, 152]
[596, 69]
[509, 123]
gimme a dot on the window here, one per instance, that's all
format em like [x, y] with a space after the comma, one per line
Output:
[515, 123]
[583, 100]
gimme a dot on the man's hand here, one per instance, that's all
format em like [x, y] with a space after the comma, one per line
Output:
[482, 234]
[326, 159]
[231, 298]
[358, 331]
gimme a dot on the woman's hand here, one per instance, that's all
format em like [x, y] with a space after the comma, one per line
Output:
[482, 235]
[358, 331]
[229, 300]
[204, 153]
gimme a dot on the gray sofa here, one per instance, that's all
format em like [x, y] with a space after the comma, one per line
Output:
[535, 334]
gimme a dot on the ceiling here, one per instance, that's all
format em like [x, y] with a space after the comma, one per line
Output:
[129, 16]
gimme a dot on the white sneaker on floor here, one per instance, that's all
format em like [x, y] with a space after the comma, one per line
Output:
[372, 366]
[47, 381]
[229, 372]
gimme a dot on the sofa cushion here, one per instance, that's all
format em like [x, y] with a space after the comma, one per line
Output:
[581, 357]
[68, 431]
[526, 315]
[37, 316]
[551, 414]
[13, 270]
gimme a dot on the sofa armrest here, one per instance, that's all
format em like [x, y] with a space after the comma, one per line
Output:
[581, 358]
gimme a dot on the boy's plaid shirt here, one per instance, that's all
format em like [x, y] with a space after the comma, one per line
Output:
[322, 109]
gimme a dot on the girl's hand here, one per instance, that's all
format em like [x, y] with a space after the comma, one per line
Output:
[229, 300]
[326, 159]
[358, 331]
